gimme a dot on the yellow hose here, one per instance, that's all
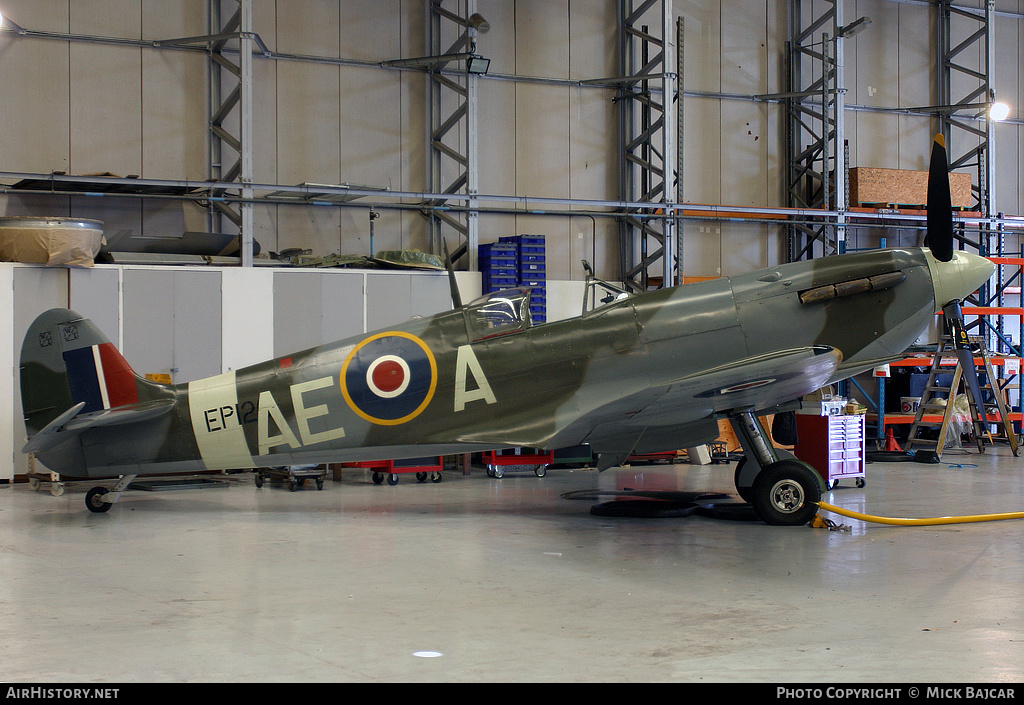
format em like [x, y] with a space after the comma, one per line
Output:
[935, 521]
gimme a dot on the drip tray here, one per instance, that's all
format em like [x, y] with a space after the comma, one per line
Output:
[183, 484]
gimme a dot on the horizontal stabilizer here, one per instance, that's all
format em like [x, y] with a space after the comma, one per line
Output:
[51, 434]
[72, 422]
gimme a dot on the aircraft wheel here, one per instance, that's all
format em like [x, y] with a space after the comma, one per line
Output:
[541, 470]
[393, 478]
[378, 478]
[435, 477]
[786, 493]
[94, 501]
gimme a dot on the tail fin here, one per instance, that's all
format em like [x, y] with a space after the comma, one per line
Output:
[67, 361]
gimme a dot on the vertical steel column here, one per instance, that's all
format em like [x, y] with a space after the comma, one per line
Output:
[649, 130]
[230, 119]
[245, 176]
[966, 59]
[452, 126]
[815, 132]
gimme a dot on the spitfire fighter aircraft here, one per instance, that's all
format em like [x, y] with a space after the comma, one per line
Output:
[641, 373]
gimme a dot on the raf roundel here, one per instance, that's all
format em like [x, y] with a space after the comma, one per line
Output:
[389, 378]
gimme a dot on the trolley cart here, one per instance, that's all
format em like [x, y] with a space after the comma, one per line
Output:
[498, 463]
[428, 467]
[36, 480]
[294, 475]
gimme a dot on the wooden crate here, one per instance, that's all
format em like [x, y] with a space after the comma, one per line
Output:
[902, 187]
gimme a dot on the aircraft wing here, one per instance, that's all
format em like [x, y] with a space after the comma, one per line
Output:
[683, 411]
[756, 382]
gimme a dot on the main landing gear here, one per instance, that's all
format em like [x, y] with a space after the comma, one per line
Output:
[782, 490]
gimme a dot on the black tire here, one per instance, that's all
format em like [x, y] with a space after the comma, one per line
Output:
[421, 477]
[378, 478]
[93, 501]
[786, 493]
[541, 470]
[393, 478]
[746, 492]
[435, 476]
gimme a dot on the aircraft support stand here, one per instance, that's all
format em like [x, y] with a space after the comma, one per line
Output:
[781, 489]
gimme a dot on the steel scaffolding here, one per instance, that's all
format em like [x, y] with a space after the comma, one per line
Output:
[452, 122]
[649, 129]
[815, 125]
[229, 72]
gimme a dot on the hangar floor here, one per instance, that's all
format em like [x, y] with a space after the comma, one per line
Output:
[511, 580]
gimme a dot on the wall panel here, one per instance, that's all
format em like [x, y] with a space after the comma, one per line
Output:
[141, 110]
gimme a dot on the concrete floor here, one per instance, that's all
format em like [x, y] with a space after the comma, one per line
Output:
[509, 580]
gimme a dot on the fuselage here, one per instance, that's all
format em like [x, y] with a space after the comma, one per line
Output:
[482, 377]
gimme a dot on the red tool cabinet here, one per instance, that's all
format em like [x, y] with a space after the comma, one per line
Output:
[834, 445]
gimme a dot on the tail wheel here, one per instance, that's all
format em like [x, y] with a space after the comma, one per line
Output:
[786, 493]
[94, 500]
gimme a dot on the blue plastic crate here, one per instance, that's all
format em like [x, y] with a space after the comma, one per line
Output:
[490, 283]
[495, 247]
[497, 252]
[509, 261]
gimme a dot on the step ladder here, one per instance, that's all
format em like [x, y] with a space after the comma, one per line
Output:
[979, 410]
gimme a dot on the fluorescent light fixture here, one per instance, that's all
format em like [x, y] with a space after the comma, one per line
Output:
[477, 64]
[999, 111]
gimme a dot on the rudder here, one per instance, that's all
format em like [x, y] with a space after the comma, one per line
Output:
[65, 360]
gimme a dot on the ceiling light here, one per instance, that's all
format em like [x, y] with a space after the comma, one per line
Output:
[999, 111]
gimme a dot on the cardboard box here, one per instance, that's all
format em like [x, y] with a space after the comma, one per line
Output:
[903, 187]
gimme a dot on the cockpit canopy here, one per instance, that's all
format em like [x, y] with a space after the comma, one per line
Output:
[498, 313]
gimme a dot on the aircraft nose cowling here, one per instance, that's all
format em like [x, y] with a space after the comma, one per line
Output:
[958, 278]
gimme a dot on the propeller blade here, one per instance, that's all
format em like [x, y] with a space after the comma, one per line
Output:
[955, 320]
[939, 236]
